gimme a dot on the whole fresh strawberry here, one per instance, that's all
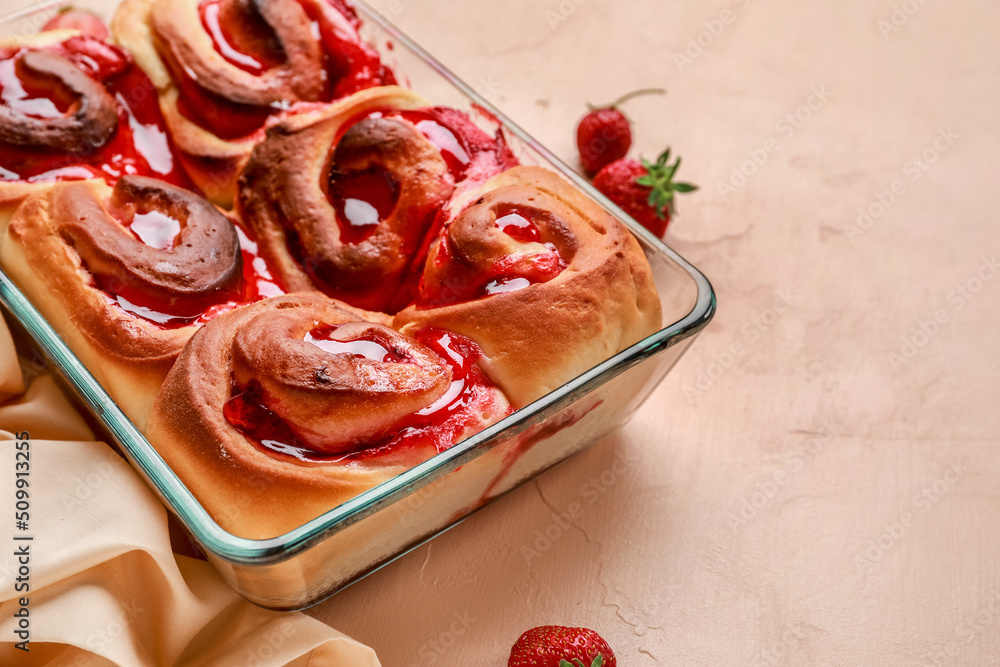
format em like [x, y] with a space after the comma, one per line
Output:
[645, 190]
[605, 135]
[558, 646]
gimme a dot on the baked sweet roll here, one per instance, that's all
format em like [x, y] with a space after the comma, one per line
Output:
[343, 199]
[73, 107]
[224, 67]
[126, 274]
[279, 411]
[540, 277]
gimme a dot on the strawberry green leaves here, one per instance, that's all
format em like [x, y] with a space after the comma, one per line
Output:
[660, 179]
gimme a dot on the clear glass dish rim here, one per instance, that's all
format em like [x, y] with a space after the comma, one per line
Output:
[243, 551]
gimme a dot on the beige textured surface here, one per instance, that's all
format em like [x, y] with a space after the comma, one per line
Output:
[792, 494]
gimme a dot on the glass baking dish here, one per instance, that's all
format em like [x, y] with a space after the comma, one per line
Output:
[313, 561]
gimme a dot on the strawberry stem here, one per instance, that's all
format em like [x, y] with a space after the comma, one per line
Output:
[626, 97]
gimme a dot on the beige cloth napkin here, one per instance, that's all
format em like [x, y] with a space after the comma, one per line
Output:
[105, 586]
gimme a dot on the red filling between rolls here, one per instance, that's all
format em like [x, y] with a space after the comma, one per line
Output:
[440, 424]
[140, 144]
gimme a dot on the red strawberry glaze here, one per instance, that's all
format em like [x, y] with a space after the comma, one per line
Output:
[507, 274]
[242, 38]
[362, 199]
[467, 150]
[519, 227]
[160, 231]
[351, 64]
[454, 140]
[223, 118]
[369, 347]
[140, 145]
[439, 425]
[246, 41]
[527, 441]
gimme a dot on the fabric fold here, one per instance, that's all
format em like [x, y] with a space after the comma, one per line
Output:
[98, 578]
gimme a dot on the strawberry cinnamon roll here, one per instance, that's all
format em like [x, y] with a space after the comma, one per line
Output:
[126, 274]
[224, 67]
[541, 278]
[73, 107]
[282, 410]
[343, 199]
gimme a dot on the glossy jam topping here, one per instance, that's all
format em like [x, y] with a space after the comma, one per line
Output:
[351, 64]
[516, 272]
[223, 118]
[32, 94]
[240, 35]
[517, 226]
[449, 140]
[519, 270]
[362, 199]
[139, 146]
[440, 424]
[540, 262]
[155, 230]
[503, 284]
[466, 148]
[372, 347]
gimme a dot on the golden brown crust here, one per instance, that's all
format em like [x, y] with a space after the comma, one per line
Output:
[130, 356]
[167, 37]
[282, 197]
[12, 193]
[212, 163]
[533, 339]
[204, 266]
[178, 27]
[131, 28]
[537, 338]
[258, 494]
[89, 124]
